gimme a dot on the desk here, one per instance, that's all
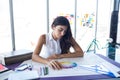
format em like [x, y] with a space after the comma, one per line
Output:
[81, 77]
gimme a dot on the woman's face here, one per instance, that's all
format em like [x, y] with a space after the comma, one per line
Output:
[59, 31]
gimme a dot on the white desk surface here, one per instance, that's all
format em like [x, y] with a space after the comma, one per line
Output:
[88, 59]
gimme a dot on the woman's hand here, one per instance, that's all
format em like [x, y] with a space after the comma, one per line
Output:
[55, 65]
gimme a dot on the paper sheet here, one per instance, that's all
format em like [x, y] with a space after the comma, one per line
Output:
[4, 76]
[88, 59]
[24, 75]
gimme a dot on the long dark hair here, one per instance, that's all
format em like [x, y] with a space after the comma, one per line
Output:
[65, 41]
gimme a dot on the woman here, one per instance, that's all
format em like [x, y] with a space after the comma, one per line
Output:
[57, 44]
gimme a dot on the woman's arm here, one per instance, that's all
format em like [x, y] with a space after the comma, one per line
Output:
[35, 55]
[78, 52]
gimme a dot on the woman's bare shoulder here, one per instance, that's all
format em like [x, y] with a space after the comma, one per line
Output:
[42, 38]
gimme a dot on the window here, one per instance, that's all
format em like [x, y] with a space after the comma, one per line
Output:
[29, 21]
[5, 29]
[88, 19]
[86, 22]
[62, 8]
[105, 8]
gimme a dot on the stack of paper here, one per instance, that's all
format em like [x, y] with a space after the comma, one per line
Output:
[4, 72]
[24, 75]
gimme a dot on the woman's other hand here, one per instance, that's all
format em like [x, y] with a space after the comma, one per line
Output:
[55, 65]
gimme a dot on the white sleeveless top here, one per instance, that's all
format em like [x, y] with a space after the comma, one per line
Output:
[52, 46]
